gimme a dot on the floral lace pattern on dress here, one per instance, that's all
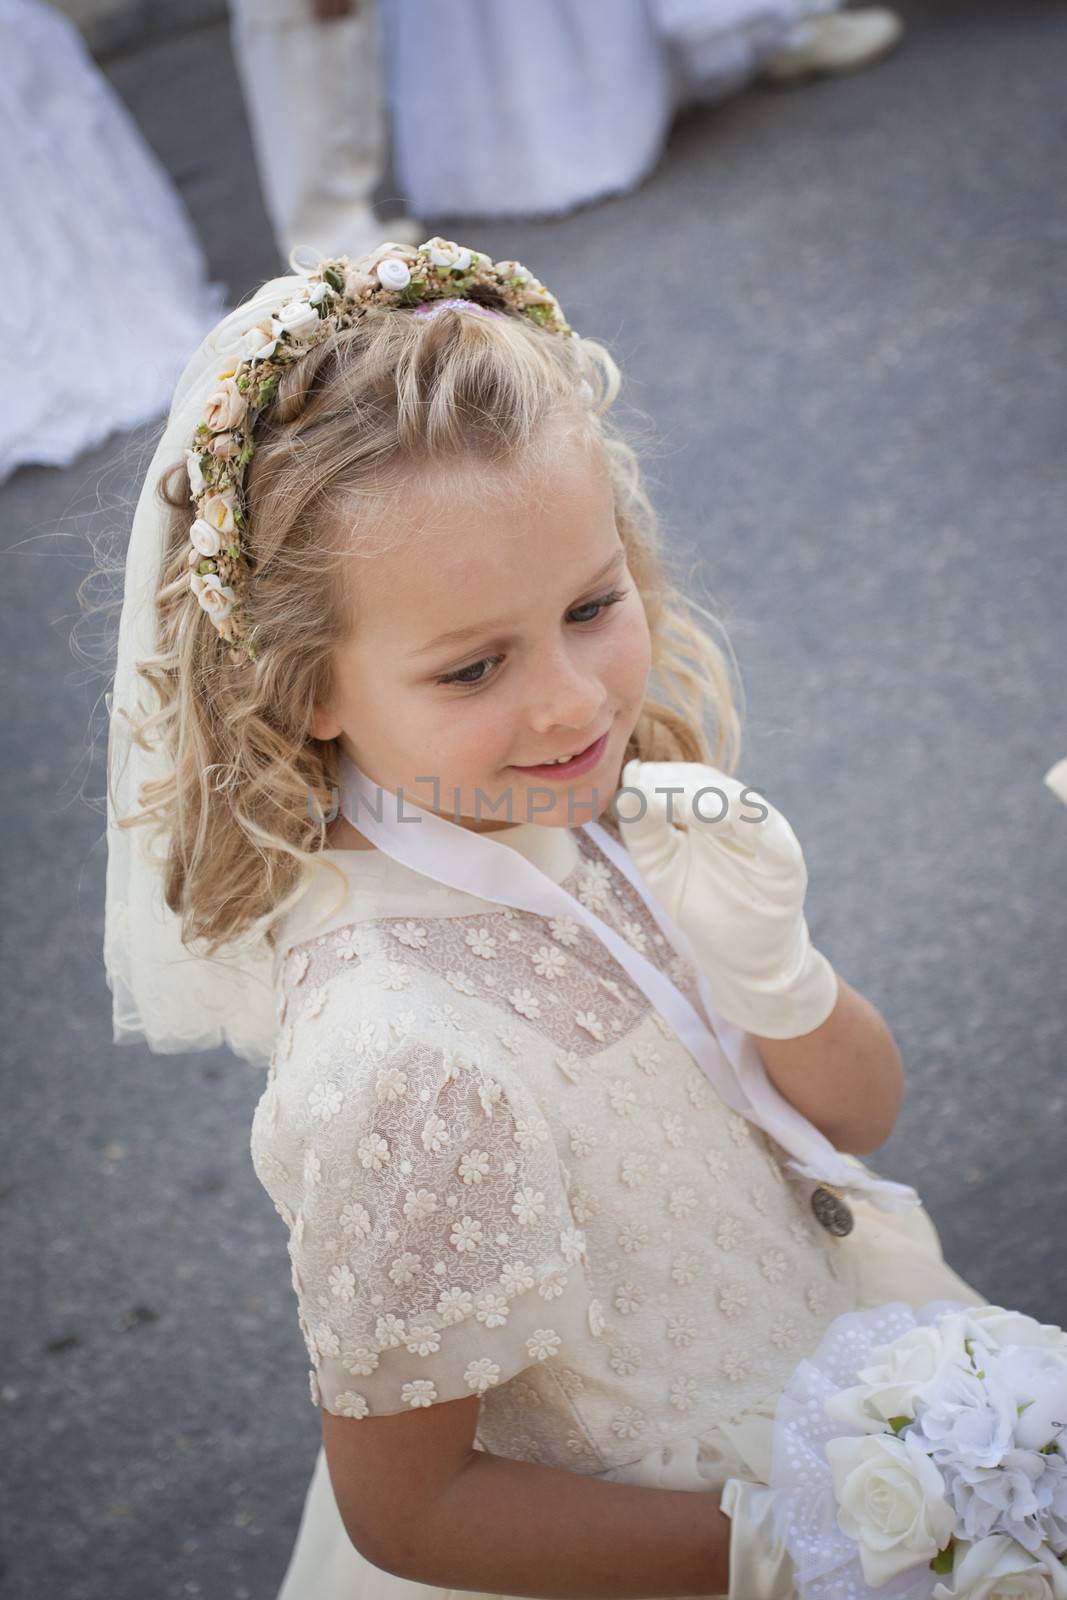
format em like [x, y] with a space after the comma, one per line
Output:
[504, 1175]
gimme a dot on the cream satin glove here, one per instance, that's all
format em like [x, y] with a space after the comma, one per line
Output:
[736, 888]
[761, 1567]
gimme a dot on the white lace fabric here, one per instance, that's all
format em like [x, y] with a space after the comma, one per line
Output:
[502, 1174]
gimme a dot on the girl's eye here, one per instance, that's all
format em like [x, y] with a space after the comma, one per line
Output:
[599, 606]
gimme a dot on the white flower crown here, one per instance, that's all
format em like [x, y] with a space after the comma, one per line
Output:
[334, 295]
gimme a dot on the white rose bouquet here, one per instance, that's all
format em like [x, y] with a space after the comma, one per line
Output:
[924, 1456]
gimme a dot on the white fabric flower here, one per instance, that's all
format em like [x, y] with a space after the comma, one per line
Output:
[424, 1340]
[492, 1309]
[999, 1569]
[516, 1277]
[419, 1392]
[258, 342]
[297, 316]
[226, 408]
[891, 1501]
[419, 1204]
[996, 1326]
[482, 1374]
[403, 1269]
[967, 1417]
[455, 1304]
[898, 1373]
[446, 253]
[393, 274]
[515, 269]
[215, 597]
[196, 477]
[544, 1342]
[1037, 1380]
[351, 1404]
[218, 510]
[206, 538]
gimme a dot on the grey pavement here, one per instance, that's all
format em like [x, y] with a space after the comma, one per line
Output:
[841, 310]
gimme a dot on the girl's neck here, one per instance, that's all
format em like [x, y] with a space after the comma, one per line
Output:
[341, 835]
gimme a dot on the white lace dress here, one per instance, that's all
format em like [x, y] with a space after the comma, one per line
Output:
[502, 1174]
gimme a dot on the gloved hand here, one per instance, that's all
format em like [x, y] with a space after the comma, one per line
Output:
[736, 888]
[761, 1567]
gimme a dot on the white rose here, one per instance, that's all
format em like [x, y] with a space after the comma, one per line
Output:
[218, 511]
[259, 342]
[297, 316]
[388, 247]
[996, 1326]
[215, 597]
[514, 269]
[196, 477]
[224, 445]
[1037, 1379]
[393, 274]
[891, 1501]
[896, 1375]
[226, 408]
[205, 537]
[998, 1568]
[446, 253]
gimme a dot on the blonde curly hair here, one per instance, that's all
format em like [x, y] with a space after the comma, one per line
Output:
[353, 420]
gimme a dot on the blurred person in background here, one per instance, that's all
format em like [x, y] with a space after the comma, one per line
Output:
[310, 77]
[503, 111]
[99, 247]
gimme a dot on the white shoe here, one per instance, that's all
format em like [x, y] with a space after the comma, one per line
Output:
[839, 41]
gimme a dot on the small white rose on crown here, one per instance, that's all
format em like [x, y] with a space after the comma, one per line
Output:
[446, 253]
[196, 477]
[215, 597]
[218, 510]
[297, 316]
[393, 274]
[226, 408]
[260, 341]
[206, 539]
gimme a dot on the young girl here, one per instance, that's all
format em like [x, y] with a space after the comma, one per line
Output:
[563, 1108]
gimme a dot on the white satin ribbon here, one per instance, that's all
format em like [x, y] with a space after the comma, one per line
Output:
[475, 864]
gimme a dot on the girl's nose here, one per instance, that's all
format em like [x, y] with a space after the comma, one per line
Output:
[564, 695]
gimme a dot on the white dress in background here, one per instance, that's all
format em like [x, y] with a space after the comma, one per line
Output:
[105, 295]
[503, 1174]
[512, 111]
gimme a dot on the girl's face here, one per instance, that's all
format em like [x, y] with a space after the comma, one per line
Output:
[550, 648]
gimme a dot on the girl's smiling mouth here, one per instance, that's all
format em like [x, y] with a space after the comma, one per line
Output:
[581, 762]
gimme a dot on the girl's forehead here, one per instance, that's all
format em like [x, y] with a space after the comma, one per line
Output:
[447, 585]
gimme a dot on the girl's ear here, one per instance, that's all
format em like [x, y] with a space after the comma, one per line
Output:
[323, 725]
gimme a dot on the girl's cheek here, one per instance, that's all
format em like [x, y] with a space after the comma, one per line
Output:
[629, 658]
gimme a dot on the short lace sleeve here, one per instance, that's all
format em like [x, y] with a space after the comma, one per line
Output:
[433, 1249]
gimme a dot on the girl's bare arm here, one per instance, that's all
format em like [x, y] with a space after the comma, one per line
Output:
[419, 1501]
[846, 1076]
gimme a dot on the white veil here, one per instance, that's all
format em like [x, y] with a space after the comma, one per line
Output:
[162, 992]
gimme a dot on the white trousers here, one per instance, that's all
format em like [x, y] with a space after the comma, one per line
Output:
[316, 111]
